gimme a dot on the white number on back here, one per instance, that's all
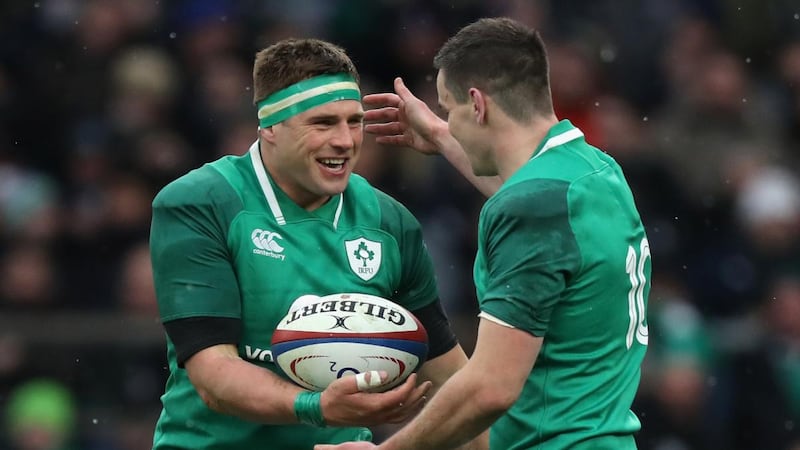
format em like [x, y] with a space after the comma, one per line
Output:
[634, 266]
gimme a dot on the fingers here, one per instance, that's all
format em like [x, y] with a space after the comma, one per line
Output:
[384, 129]
[352, 400]
[369, 380]
[400, 394]
[389, 99]
[418, 395]
[385, 114]
[412, 406]
[400, 141]
[407, 394]
[381, 99]
[392, 133]
[402, 91]
[366, 381]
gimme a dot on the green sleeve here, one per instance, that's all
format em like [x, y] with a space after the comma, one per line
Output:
[191, 261]
[418, 281]
[531, 252]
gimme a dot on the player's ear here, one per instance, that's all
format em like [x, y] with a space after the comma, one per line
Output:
[267, 133]
[478, 100]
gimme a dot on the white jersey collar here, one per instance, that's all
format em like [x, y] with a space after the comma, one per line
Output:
[269, 192]
[559, 139]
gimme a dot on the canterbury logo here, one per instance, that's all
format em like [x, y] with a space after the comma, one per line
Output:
[266, 243]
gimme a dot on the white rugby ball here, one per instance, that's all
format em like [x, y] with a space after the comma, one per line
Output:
[324, 338]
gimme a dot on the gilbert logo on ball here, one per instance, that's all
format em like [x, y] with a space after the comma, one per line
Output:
[324, 338]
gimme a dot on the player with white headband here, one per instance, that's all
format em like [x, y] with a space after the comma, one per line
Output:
[236, 242]
[305, 95]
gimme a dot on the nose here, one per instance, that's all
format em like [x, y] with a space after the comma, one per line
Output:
[343, 136]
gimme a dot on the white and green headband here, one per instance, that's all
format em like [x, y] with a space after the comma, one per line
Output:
[306, 94]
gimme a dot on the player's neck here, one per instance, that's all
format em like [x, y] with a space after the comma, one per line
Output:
[517, 142]
[301, 196]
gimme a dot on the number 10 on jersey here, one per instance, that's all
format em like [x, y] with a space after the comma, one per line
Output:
[634, 266]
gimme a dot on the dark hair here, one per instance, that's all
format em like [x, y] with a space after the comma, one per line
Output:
[505, 59]
[291, 60]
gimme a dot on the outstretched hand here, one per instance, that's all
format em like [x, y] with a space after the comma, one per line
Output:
[402, 119]
[345, 403]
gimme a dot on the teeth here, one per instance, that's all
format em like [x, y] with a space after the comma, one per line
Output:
[332, 161]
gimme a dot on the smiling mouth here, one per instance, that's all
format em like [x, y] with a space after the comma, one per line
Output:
[332, 163]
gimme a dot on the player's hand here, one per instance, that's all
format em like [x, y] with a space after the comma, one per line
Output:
[345, 403]
[402, 119]
[347, 446]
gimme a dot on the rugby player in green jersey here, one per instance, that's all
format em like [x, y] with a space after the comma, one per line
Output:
[235, 242]
[562, 271]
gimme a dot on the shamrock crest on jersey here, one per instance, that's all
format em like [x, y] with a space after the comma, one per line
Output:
[364, 257]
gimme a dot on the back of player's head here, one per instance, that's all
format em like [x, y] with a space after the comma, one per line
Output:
[503, 58]
[292, 60]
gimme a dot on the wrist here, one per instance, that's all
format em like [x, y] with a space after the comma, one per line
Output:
[308, 408]
[440, 136]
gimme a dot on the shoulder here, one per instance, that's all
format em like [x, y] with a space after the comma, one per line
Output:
[204, 185]
[393, 214]
[532, 198]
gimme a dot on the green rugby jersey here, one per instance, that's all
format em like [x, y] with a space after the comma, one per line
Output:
[227, 242]
[562, 254]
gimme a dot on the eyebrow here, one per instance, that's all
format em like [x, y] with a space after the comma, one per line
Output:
[335, 117]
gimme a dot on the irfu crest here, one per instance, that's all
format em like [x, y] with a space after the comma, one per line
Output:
[364, 257]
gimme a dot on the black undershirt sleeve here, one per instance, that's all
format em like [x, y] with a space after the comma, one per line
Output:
[441, 338]
[192, 334]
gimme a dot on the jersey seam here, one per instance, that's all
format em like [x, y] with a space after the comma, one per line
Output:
[546, 400]
[228, 244]
[569, 211]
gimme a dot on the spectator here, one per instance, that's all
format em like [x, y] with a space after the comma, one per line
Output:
[680, 402]
[767, 408]
[41, 415]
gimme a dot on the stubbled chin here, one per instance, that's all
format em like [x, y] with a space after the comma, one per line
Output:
[334, 184]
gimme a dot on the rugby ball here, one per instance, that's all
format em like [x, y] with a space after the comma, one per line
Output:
[325, 338]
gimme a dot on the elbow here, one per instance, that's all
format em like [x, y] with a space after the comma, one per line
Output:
[495, 399]
[209, 372]
[211, 401]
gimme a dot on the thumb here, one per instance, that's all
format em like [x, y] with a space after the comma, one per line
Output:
[401, 89]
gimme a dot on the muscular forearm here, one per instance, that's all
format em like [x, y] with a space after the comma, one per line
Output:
[438, 371]
[233, 386]
[449, 421]
[485, 388]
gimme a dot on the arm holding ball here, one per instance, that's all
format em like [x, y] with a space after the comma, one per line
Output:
[259, 395]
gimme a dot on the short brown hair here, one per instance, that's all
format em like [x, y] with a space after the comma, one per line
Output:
[505, 59]
[291, 60]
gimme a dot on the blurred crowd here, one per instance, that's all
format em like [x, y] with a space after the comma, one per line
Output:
[102, 102]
